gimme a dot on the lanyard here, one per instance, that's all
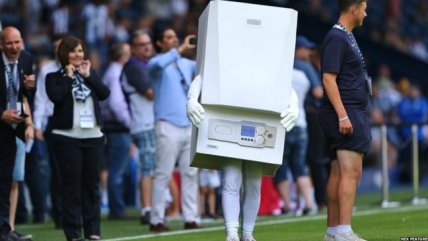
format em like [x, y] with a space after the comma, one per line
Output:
[354, 44]
[183, 79]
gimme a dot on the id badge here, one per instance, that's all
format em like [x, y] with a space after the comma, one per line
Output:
[86, 119]
[369, 85]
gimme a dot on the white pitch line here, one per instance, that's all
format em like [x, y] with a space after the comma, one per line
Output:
[264, 223]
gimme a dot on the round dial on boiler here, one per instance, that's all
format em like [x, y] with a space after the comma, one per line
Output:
[260, 140]
[261, 130]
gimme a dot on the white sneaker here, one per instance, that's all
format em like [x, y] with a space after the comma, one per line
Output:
[351, 236]
[232, 238]
[328, 237]
[248, 237]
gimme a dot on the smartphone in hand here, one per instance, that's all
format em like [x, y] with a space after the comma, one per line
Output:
[193, 41]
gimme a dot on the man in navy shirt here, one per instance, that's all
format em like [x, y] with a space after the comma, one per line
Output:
[343, 116]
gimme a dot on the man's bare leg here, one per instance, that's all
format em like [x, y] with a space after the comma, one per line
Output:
[332, 192]
[350, 165]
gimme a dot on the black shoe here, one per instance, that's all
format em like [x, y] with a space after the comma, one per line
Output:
[307, 211]
[16, 236]
[285, 211]
[159, 228]
[192, 225]
[145, 219]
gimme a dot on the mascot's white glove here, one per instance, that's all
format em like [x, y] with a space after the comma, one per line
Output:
[290, 115]
[195, 111]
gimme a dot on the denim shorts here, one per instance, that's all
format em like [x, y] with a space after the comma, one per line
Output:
[19, 167]
[296, 145]
[209, 178]
[145, 141]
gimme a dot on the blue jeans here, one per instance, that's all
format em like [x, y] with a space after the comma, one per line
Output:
[19, 167]
[146, 144]
[117, 154]
[296, 144]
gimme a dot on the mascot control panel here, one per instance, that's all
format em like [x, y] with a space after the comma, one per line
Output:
[244, 133]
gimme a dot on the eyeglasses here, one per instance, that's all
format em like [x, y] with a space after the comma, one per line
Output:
[142, 44]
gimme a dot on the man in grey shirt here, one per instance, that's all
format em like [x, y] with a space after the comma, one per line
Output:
[139, 95]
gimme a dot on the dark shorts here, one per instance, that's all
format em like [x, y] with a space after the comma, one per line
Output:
[358, 141]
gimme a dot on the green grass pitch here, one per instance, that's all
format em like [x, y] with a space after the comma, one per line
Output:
[370, 221]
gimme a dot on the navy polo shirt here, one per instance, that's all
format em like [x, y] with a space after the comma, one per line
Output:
[338, 56]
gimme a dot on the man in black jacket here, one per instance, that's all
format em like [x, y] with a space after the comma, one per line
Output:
[16, 81]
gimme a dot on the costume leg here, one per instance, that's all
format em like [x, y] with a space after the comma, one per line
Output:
[251, 201]
[232, 181]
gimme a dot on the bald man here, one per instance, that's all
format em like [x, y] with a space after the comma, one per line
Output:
[16, 81]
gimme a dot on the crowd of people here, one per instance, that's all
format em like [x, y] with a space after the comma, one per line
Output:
[86, 127]
[396, 23]
[100, 23]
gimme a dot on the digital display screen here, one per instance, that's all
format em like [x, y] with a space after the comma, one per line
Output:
[249, 131]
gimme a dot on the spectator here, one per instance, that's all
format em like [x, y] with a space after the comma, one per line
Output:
[60, 18]
[302, 61]
[17, 65]
[116, 121]
[388, 98]
[295, 150]
[98, 30]
[209, 180]
[139, 94]
[319, 164]
[413, 109]
[19, 169]
[75, 91]
[171, 75]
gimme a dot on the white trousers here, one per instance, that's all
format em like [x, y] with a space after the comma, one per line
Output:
[245, 174]
[173, 144]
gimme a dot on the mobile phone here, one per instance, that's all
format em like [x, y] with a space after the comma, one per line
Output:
[193, 41]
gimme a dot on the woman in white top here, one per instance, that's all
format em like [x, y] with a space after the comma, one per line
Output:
[75, 91]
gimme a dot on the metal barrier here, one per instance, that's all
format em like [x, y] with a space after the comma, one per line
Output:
[416, 200]
[385, 171]
[415, 164]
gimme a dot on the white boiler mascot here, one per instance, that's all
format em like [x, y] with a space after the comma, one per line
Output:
[247, 174]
